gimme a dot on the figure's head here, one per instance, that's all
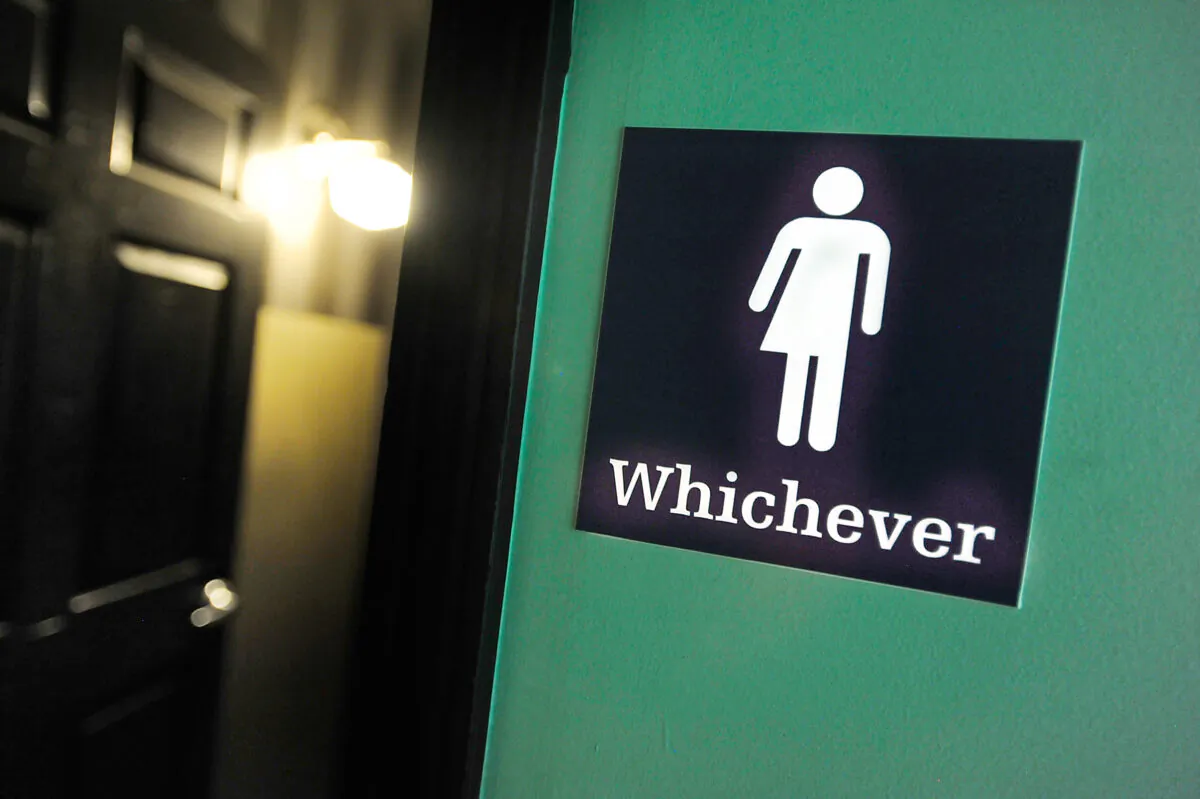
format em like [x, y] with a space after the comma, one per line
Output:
[838, 191]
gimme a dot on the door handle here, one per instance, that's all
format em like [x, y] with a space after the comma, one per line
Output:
[222, 600]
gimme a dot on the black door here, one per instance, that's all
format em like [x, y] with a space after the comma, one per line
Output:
[129, 279]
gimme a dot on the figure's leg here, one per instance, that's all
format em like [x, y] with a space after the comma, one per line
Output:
[827, 400]
[791, 407]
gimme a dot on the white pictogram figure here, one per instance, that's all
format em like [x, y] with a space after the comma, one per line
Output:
[813, 317]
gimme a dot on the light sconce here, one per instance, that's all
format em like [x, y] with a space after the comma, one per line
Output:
[363, 187]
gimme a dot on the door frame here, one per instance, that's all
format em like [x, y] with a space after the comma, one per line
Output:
[420, 690]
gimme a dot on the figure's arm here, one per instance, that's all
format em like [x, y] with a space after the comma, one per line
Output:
[768, 279]
[879, 254]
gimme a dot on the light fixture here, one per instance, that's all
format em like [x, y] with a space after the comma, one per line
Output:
[364, 187]
[372, 193]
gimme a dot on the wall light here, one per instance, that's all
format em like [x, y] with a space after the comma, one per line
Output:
[372, 193]
[364, 187]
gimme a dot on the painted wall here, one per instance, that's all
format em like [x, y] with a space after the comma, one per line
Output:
[316, 399]
[310, 471]
[628, 670]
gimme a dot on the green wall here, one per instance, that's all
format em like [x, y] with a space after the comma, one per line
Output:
[628, 670]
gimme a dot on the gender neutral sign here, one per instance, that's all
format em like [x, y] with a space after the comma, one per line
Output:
[830, 352]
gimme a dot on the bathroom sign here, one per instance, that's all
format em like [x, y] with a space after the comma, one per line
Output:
[830, 352]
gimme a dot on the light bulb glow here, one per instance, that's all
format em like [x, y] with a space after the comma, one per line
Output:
[323, 157]
[288, 186]
[289, 196]
[372, 193]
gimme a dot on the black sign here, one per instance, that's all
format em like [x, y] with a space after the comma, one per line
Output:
[830, 352]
